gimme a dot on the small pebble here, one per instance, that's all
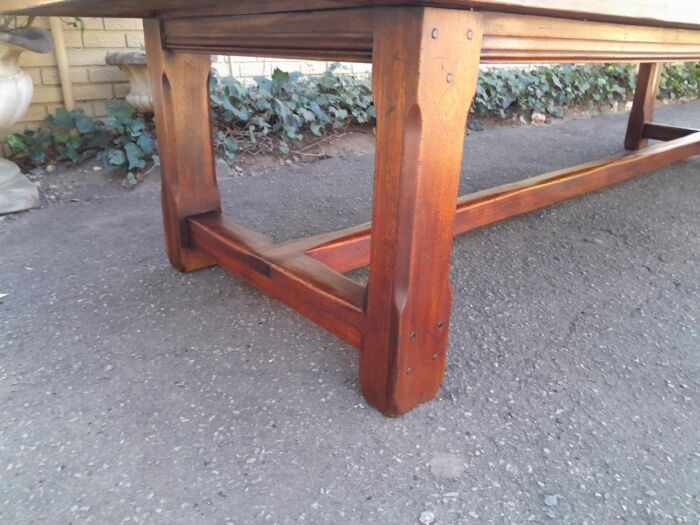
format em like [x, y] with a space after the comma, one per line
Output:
[446, 465]
[539, 118]
[551, 500]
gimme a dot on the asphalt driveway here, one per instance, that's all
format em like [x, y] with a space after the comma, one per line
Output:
[130, 393]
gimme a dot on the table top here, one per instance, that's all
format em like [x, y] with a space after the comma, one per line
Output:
[668, 13]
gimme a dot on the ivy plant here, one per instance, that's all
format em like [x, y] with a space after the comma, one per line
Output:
[555, 89]
[122, 139]
[274, 115]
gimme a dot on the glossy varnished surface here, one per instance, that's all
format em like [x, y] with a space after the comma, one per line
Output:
[673, 13]
[425, 67]
[349, 35]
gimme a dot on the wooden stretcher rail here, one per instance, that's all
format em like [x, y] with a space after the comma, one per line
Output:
[313, 289]
[348, 249]
[665, 132]
[306, 273]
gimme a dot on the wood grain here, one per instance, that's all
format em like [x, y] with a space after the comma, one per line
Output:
[643, 105]
[333, 35]
[426, 65]
[343, 250]
[349, 249]
[426, 55]
[664, 13]
[347, 34]
[512, 38]
[183, 126]
[666, 132]
[489, 206]
[312, 289]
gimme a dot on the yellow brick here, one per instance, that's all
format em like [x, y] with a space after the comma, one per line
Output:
[345, 69]
[51, 108]
[121, 90]
[35, 113]
[45, 94]
[135, 39]
[86, 57]
[78, 75]
[86, 107]
[100, 109]
[41, 21]
[361, 69]
[252, 69]
[87, 21]
[106, 74]
[92, 39]
[37, 60]
[286, 65]
[17, 128]
[125, 24]
[50, 77]
[34, 74]
[313, 68]
[222, 68]
[93, 92]
[73, 38]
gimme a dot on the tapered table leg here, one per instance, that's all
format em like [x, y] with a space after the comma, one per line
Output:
[183, 125]
[426, 63]
[643, 105]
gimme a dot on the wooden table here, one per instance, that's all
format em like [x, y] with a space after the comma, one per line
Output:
[426, 56]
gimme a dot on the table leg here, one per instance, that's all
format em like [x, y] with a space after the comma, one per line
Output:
[183, 125]
[643, 105]
[426, 63]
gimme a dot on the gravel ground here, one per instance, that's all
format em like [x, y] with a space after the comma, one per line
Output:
[130, 393]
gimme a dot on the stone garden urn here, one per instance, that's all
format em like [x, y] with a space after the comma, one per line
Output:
[133, 64]
[17, 193]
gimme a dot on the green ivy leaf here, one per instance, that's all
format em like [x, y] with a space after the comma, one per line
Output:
[16, 143]
[135, 127]
[71, 152]
[62, 119]
[115, 157]
[85, 124]
[135, 156]
[309, 116]
[317, 129]
[146, 142]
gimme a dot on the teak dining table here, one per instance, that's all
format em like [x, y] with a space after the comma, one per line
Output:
[425, 56]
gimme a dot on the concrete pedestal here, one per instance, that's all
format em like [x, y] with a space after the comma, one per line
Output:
[17, 192]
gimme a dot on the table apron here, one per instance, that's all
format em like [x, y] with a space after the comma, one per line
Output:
[347, 35]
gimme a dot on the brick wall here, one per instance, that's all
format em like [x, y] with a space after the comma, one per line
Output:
[94, 82]
[247, 68]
